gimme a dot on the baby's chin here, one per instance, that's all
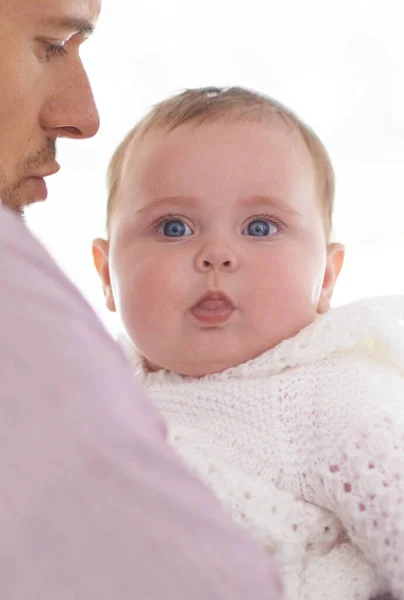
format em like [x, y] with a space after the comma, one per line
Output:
[191, 370]
[198, 368]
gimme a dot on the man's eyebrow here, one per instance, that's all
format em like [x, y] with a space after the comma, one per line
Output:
[72, 24]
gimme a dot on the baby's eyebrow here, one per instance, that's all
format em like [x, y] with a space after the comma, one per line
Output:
[182, 201]
[178, 200]
[268, 201]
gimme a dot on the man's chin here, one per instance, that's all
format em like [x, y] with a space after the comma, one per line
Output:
[10, 203]
[35, 189]
[29, 191]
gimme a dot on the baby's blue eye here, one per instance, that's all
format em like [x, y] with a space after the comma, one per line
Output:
[260, 228]
[174, 229]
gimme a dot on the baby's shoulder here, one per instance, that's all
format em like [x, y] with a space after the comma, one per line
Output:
[331, 405]
[352, 384]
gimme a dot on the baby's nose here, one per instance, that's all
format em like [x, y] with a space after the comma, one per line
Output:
[215, 257]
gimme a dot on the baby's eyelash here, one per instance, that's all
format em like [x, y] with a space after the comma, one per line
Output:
[271, 218]
[163, 220]
[156, 225]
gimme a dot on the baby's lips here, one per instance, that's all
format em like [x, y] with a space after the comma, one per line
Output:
[214, 300]
[213, 305]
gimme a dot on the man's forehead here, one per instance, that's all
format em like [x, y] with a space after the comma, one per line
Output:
[75, 16]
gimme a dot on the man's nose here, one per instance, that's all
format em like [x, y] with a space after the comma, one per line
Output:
[71, 111]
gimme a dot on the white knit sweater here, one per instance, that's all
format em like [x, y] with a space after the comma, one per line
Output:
[304, 446]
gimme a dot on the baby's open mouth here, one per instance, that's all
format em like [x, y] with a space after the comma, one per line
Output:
[213, 308]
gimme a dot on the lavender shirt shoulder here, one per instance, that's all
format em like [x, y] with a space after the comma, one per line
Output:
[94, 505]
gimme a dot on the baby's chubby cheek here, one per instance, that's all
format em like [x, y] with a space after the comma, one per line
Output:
[146, 300]
[285, 298]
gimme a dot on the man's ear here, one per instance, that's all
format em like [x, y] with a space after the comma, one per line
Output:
[101, 262]
[335, 260]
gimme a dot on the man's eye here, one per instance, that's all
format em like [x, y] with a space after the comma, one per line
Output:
[173, 228]
[53, 50]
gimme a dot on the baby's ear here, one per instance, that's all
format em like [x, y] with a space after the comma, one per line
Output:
[101, 262]
[335, 260]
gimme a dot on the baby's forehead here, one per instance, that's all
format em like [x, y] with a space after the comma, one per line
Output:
[158, 166]
[146, 148]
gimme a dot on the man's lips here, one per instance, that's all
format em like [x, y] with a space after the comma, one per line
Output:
[40, 190]
[213, 308]
[51, 170]
[38, 181]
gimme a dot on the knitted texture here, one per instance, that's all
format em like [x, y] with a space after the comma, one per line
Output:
[304, 446]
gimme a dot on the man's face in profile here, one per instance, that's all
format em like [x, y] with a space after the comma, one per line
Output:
[45, 91]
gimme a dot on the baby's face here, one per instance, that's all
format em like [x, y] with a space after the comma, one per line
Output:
[217, 250]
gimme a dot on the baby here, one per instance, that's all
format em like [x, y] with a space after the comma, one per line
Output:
[220, 263]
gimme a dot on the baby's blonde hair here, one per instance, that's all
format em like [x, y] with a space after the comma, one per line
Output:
[235, 104]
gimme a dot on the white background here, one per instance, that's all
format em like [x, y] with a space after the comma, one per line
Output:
[339, 65]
